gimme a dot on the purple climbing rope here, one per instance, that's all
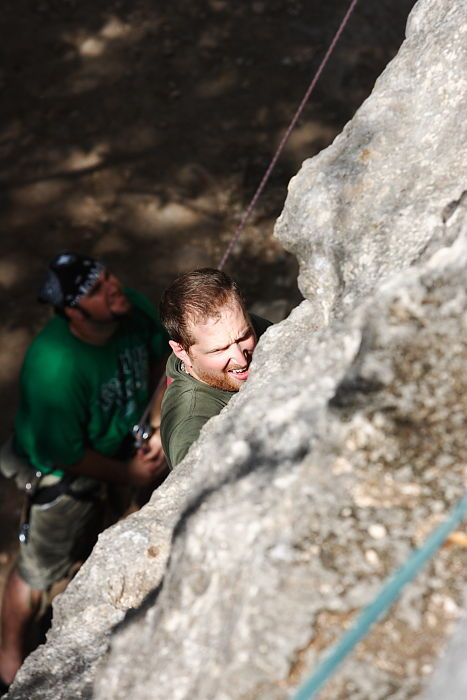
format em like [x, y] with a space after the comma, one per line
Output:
[284, 139]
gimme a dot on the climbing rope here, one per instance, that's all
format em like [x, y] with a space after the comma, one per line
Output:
[381, 603]
[285, 138]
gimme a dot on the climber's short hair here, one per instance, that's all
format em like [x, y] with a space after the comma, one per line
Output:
[196, 296]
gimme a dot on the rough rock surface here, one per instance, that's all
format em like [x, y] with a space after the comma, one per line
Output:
[378, 200]
[344, 450]
[450, 679]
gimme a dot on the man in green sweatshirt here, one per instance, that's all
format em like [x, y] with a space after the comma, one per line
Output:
[85, 382]
[212, 339]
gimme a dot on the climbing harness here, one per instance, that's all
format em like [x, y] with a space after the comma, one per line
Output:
[285, 137]
[380, 605]
[47, 496]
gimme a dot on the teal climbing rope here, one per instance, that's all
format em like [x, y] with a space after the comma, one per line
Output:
[380, 605]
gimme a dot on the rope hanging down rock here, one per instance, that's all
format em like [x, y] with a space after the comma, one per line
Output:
[285, 137]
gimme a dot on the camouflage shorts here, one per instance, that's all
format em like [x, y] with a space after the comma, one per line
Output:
[63, 531]
[60, 534]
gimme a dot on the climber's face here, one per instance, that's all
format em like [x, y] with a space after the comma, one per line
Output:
[222, 349]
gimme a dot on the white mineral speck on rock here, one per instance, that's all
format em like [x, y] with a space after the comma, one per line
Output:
[378, 532]
[341, 466]
[450, 606]
[282, 552]
[372, 557]
[240, 450]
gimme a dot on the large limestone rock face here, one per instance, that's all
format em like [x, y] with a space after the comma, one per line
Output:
[378, 200]
[344, 450]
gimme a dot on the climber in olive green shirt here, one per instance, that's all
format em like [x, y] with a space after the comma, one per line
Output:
[212, 339]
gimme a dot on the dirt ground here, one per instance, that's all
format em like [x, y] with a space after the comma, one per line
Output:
[138, 131]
